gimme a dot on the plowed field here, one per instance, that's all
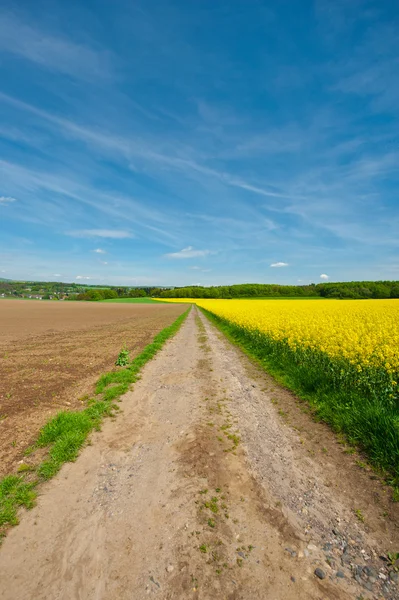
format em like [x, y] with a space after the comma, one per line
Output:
[51, 353]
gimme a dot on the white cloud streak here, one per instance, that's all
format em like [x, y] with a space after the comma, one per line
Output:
[115, 234]
[279, 264]
[4, 200]
[188, 252]
[53, 52]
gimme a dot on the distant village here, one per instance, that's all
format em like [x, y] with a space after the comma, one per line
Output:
[33, 290]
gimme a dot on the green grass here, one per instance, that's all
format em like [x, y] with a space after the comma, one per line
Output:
[361, 406]
[14, 493]
[66, 433]
[132, 300]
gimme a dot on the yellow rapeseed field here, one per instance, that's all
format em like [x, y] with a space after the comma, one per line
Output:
[365, 332]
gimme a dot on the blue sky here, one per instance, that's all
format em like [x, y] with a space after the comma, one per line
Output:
[169, 142]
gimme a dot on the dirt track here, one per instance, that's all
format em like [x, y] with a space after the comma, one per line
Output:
[200, 489]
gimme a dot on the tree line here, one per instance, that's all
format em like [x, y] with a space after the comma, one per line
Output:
[80, 292]
[352, 289]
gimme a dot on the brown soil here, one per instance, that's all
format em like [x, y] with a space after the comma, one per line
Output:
[51, 354]
[202, 489]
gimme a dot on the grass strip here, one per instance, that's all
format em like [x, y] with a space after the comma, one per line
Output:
[66, 433]
[359, 406]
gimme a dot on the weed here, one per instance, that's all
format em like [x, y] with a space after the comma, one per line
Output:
[24, 467]
[123, 357]
[212, 523]
[203, 548]
[361, 464]
[393, 559]
[359, 515]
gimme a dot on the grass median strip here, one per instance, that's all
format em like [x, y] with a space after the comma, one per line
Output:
[66, 433]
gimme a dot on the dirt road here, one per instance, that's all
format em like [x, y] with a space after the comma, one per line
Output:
[200, 489]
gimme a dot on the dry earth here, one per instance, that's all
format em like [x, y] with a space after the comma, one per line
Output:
[202, 489]
[51, 353]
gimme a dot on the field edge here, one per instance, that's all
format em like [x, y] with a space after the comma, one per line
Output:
[388, 473]
[64, 435]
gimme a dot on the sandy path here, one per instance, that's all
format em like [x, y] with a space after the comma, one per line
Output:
[189, 493]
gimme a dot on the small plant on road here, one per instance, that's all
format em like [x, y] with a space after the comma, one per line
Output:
[393, 558]
[123, 357]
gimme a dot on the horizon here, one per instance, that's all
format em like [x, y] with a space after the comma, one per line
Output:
[201, 144]
[171, 286]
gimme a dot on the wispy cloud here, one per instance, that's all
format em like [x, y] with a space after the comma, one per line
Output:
[188, 252]
[279, 264]
[99, 251]
[6, 200]
[52, 51]
[115, 234]
[84, 277]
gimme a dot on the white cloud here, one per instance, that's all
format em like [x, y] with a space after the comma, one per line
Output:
[56, 274]
[116, 234]
[52, 51]
[199, 269]
[324, 276]
[188, 252]
[83, 277]
[103, 262]
[99, 251]
[6, 200]
[279, 264]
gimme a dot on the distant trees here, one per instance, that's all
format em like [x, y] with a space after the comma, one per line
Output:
[350, 289]
[98, 294]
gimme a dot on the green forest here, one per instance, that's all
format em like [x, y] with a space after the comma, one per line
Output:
[79, 292]
[351, 289]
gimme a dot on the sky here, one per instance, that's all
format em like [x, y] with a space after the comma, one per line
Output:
[166, 142]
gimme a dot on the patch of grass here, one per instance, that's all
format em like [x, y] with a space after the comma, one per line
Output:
[66, 433]
[212, 504]
[14, 493]
[24, 468]
[133, 300]
[203, 548]
[362, 465]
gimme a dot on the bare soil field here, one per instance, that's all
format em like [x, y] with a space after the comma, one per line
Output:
[211, 483]
[51, 353]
